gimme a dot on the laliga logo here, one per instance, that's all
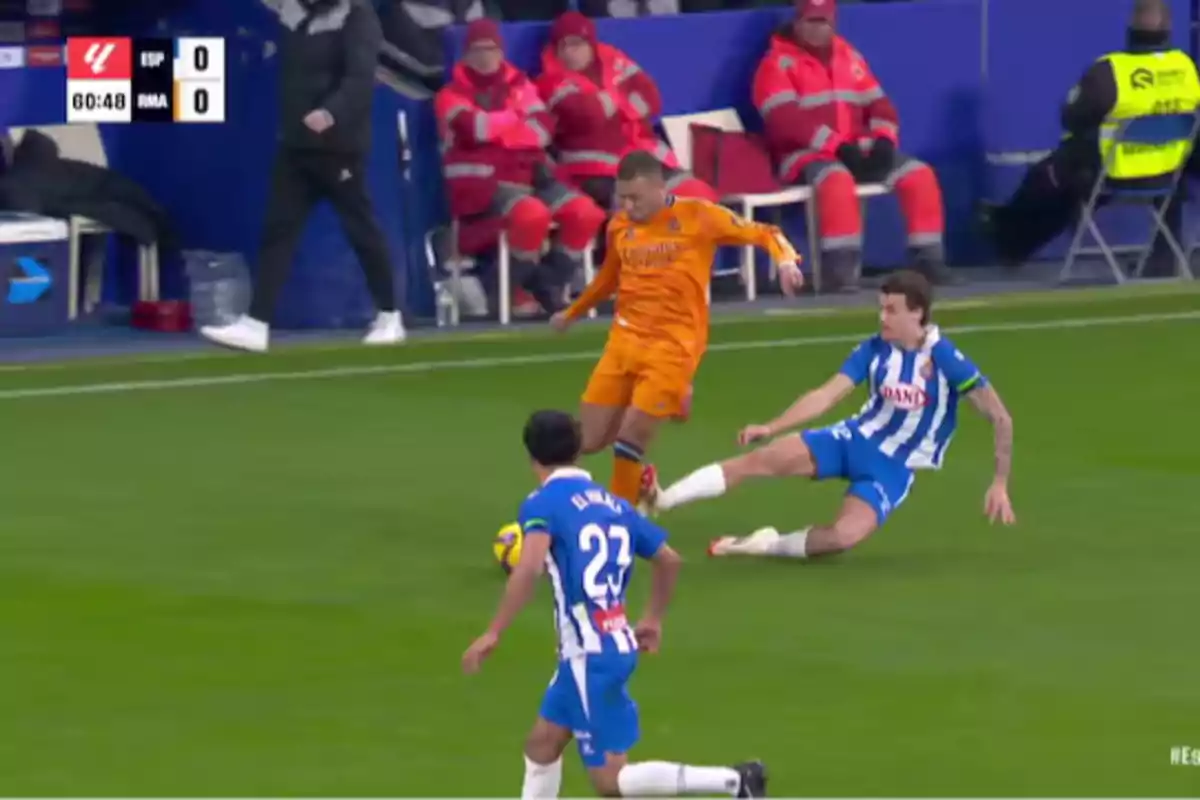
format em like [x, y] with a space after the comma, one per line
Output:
[97, 55]
[905, 396]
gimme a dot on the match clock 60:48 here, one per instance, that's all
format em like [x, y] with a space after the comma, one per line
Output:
[99, 101]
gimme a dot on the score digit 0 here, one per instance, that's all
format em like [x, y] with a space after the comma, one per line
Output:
[201, 101]
[200, 58]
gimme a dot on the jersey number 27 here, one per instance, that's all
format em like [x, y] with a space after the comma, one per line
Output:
[609, 548]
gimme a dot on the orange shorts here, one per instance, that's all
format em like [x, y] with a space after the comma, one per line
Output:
[656, 379]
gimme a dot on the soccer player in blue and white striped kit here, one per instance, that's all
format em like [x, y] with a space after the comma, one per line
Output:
[916, 378]
[585, 540]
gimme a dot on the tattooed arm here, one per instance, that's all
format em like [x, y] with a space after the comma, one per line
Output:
[988, 403]
[997, 504]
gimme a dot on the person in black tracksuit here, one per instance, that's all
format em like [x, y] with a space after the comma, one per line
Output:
[1052, 191]
[328, 56]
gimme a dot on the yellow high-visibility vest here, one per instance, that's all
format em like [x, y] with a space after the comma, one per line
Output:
[1149, 83]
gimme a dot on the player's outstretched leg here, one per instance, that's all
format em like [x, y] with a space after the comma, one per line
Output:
[782, 457]
[856, 520]
[619, 778]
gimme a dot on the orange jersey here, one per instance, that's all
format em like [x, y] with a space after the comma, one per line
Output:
[660, 269]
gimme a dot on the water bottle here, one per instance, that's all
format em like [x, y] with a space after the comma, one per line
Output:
[447, 307]
[219, 286]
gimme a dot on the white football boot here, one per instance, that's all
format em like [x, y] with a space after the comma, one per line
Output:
[759, 543]
[388, 328]
[246, 333]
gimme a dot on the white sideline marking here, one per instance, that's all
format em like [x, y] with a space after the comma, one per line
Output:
[547, 358]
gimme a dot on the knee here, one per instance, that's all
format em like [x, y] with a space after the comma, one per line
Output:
[913, 171]
[606, 781]
[846, 534]
[833, 185]
[541, 747]
[580, 219]
[529, 217]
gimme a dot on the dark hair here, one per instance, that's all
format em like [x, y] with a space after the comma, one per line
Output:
[553, 438]
[918, 294]
[639, 164]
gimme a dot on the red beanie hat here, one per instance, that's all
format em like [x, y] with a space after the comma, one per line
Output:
[572, 23]
[483, 30]
[816, 9]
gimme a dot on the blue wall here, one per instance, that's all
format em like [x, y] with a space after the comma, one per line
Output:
[930, 56]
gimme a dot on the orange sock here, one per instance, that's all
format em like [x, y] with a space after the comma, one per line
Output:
[627, 471]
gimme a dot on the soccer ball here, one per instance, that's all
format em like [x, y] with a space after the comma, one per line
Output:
[507, 547]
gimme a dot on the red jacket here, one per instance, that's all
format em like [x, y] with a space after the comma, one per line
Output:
[597, 122]
[810, 108]
[492, 132]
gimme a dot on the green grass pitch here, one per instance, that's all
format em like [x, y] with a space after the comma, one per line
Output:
[262, 585]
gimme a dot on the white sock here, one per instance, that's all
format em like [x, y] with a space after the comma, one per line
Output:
[541, 780]
[791, 545]
[665, 779]
[702, 484]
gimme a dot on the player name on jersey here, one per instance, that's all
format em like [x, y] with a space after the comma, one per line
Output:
[115, 79]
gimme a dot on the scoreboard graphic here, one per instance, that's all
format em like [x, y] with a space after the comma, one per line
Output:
[115, 79]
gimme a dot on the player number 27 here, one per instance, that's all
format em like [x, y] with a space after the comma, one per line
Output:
[608, 548]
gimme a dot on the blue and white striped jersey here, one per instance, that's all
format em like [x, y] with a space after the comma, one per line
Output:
[912, 410]
[594, 539]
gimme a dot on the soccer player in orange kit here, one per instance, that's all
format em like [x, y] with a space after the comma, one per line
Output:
[658, 262]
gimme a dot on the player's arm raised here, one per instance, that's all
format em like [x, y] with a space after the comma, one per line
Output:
[808, 406]
[517, 593]
[600, 289]
[986, 400]
[729, 228]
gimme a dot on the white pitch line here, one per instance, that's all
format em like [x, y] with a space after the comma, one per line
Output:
[547, 358]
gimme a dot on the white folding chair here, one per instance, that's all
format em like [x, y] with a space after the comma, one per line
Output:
[456, 264]
[83, 143]
[504, 270]
[679, 134]
[1154, 193]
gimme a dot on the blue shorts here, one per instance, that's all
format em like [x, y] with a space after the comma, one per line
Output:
[879, 481]
[590, 697]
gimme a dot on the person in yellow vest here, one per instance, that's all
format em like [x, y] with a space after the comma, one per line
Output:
[1150, 76]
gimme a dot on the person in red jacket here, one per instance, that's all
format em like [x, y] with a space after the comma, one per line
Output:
[830, 125]
[604, 106]
[494, 132]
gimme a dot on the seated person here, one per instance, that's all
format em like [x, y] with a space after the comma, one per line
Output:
[494, 132]
[830, 125]
[1053, 190]
[604, 106]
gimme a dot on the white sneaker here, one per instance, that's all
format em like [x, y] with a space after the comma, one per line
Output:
[758, 543]
[247, 334]
[388, 328]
